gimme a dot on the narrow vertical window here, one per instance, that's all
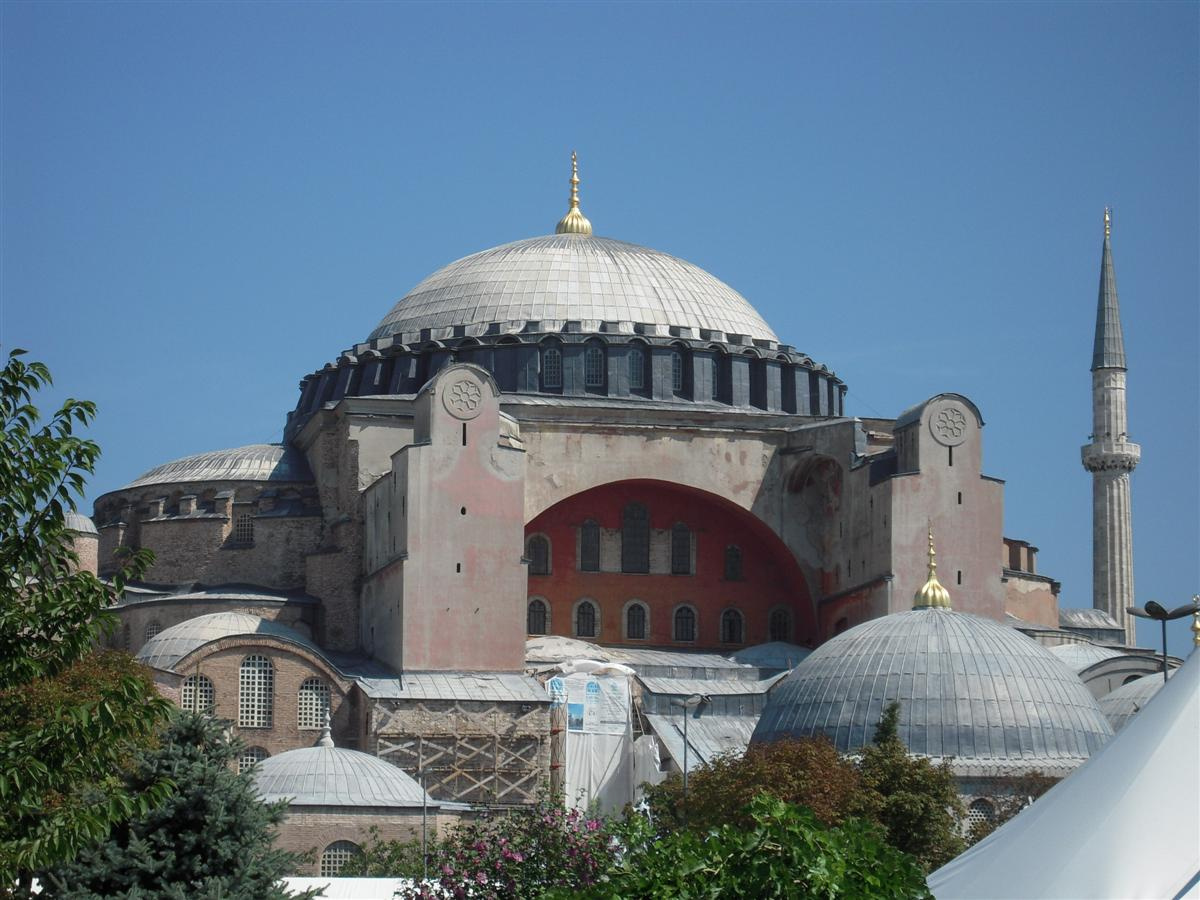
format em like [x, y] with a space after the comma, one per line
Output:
[681, 550]
[635, 539]
[635, 622]
[733, 563]
[537, 617]
[256, 692]
[685, 624]
[243, 529]
[312, 703]
[637, 368]
[593, 366]
[552, 367]
[715, 370]
[676, 371]
[586, 619]
[780, 626]
[731, 627]
[950, 455]
[538, 552]
[589, 547]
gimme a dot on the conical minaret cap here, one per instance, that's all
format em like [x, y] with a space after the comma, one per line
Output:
[932, 595]
[1108, 351]
[574, 222]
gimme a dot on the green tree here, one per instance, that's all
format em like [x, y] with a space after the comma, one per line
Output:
[67, 722]
[918, 803]
[212, 837]
[783, 853]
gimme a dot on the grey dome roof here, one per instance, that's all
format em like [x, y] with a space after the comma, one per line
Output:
[172, 644]
[1121, 704]
[1078, 657]
[254, 462]
[331, 776]
[572, 277]
[79, 523]
[969, 688]
[772, 655]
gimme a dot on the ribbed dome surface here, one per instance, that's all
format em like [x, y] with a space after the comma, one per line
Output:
[79, 523]
[572, 277]
[1078, 657]
[254, 462]
[969, 688]
[1125, 702]
[331, 776]
[172, 644]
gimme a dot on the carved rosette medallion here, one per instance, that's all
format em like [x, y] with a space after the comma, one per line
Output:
[948, 425]
[463, 398]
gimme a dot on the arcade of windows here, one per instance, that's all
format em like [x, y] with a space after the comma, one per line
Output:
[595, 368]
[635, 622]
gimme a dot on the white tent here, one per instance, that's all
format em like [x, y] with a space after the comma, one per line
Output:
[1124, 825]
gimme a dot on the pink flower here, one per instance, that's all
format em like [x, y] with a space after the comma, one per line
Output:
[481, 877]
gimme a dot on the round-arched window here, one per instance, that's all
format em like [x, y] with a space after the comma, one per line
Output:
[337, 855]
[780, 625]
[731, 627]
[635, 622]
[587, 619]
[980, 811]
[537, 617]
[685, 624]
[537, 550]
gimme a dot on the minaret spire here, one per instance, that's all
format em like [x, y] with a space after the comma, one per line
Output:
[1110, 456]
[574, 222]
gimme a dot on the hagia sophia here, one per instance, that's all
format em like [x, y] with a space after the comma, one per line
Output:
[570, 446]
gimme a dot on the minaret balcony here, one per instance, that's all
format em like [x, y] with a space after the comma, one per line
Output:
[1108, 456]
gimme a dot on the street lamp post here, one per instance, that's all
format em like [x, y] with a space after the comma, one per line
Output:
[1159, 613]
[424, 810]
[687, 705]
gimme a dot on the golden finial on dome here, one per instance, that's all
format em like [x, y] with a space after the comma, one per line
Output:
[932, 595]
[574, 222]
[1107, 222]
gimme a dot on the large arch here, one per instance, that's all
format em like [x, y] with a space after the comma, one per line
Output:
[769, 577]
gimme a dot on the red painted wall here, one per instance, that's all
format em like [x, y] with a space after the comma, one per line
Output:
[771, 577]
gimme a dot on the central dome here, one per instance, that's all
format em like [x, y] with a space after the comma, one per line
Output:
[573, 277]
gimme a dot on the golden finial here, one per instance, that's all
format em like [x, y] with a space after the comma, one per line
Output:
[1107, 223]
[932, 595]
[574, 222]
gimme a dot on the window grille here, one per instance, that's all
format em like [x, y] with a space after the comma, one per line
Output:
[780, 628]
[552, 367]
[733, 563]
[335, 856]
[593, 366]
[979, 812]
[256, 694]
[589, 547]
[635, 622]
[676, 371]
[536, 618]
[685, 624]
[152, 630]
[681, 550]
[635, 539]
[250, 757]
[585, 619]
[243, 529]
[637, 368]
[197, 694]
[731, 627]
[538, 551]
[312, 703]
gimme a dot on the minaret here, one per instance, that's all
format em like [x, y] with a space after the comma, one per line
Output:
[1110, 456]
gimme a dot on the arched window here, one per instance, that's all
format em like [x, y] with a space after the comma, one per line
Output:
[681, 549]
[337, 855]
[538, 551]
[312, 703]
[551, 368]
[250, 757]
[733, 563]
[537, 617]
[635, 538]
[589, 547]
[587, 619]
[635, 621]
[593, 366]
[731, 627]
[676, 371]
[197, 694]
[256, 692]
[779, 627]
[685, 623]
[715, 371]
[980, 812]
[152, 629]
[243, 529]
[637, 368]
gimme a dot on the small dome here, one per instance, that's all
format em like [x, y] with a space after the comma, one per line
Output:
[1078, 657]
[772, 655]
[968, 687]
[1122, 704]
[172, 644]
[254, 462]
[572, 277]
[331, 776]
[79, 523]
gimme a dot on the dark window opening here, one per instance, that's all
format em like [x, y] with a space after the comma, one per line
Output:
[637, 368]
[538, 552]
[589, 547]
[552, 368]
[960, 576]
[733, 563]
[536, 617]
[585, 619]
[685, 624]
[950, 451]
[464, 434]
[681, 550]
[780, 626]
[635, 539]
[593, 366]
[635, 622]
[731, 627]
[960, 498]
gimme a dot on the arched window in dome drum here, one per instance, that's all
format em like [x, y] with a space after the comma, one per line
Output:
[337, 855]
[685, 624]
[637, 368]
[681, 549]
[551, 368]
[538, 553]
[312, 703]
[593, 366]
[586, 623]
[635, 622]
[731, 627]
[780, 626]
[589, 547]
[715, 372]
[537, 617]
[676, 371]
[733, 563]
[635, 539]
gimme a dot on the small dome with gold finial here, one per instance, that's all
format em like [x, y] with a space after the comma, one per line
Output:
[932, 595]
[574, 222]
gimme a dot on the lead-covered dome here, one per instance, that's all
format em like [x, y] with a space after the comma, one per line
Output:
[254, 462]
[969, 688]
[573, 277]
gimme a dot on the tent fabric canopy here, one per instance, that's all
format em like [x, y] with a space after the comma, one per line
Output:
[1124, 825]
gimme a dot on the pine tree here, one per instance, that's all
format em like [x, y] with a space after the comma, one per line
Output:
[212, 837]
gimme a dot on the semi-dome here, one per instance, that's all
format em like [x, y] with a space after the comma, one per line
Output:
[172, 644]
[573, 277]
[969, 688]
[254, 462]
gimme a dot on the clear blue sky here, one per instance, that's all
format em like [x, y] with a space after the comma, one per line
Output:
[201, 203]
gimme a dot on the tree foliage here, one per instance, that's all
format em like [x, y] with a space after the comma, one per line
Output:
[67, 722]
[1009, 798]
[212, 837]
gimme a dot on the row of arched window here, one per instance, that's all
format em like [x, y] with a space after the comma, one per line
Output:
[635, 625]
[256, 696]
[595, 368]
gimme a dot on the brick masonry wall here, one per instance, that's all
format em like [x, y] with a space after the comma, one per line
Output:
[167, 612]
[311, 829]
